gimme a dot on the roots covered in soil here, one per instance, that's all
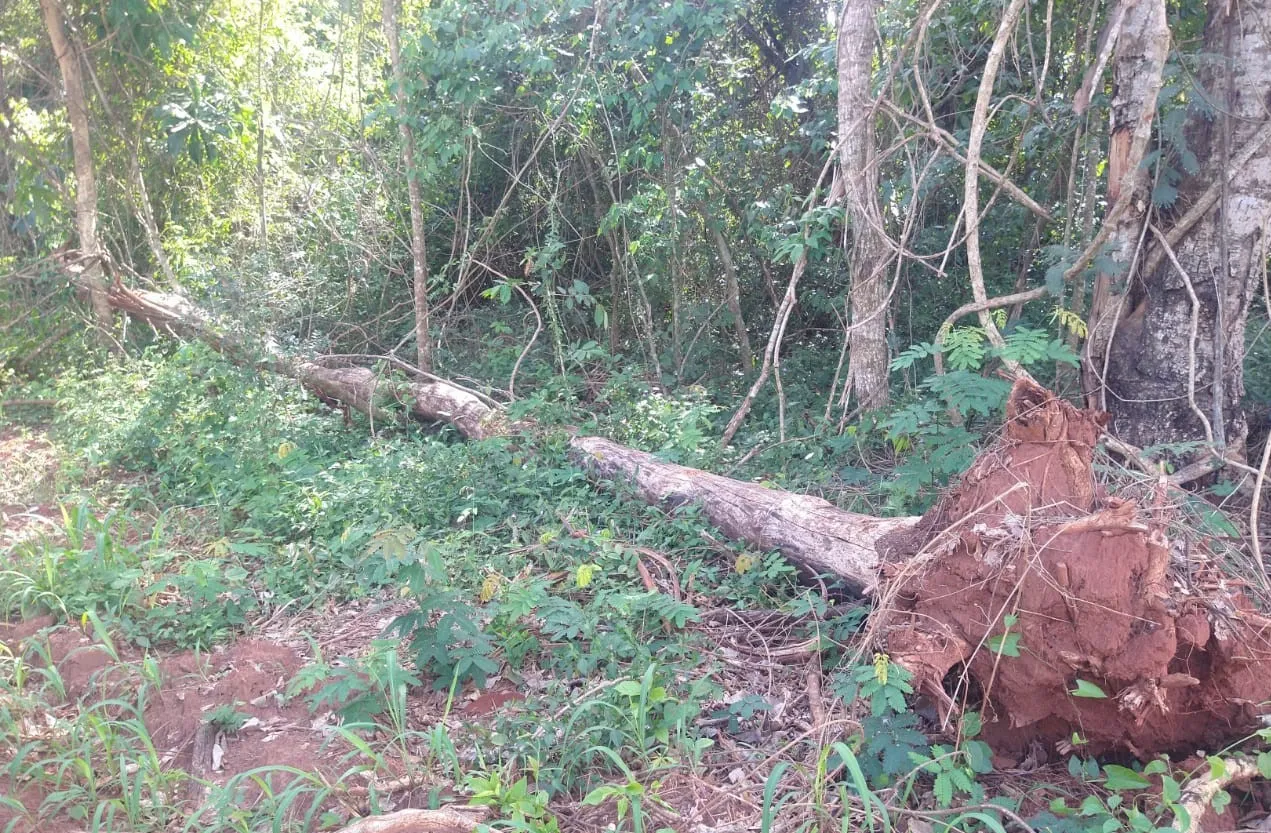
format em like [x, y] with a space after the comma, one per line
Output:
[1075, 612]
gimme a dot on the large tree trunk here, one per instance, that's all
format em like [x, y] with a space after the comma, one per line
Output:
[418, 244]
[92, 277]
[1175, 360]
[867, 333]
[811, 532]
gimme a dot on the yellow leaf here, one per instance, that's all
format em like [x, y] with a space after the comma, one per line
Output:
[882, 664]
[744, 563]
[284, 449]
[490, 587]
[584, 575]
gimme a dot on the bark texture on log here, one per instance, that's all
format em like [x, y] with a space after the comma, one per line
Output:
[442, 820]
[809, 531]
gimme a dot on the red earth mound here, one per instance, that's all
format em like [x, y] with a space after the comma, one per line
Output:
[1029, 587]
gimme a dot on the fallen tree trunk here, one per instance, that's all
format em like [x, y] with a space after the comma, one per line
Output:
[809, 531]
[360, 388]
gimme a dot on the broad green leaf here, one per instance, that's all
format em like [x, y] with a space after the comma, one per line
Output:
[1085, 688]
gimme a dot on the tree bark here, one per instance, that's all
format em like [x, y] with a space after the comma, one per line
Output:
[870, 255]
[441, 820]
[1142, 43]
[811, 532]
[745, 355]
[418, 245]
[1175, 362]
[92, 277]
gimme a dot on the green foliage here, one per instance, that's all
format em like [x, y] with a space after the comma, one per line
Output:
[883, 684]
[105, 564]
[934, 432]
[579, 165]
[681, 428]
[521, 806]
[227, 718]
[448, 640]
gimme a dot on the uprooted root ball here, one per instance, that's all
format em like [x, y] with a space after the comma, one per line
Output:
[1076, 613]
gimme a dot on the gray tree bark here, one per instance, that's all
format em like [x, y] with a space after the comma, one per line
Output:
[92, 277]
[1175, 360]
[870, 255]
[418, 244]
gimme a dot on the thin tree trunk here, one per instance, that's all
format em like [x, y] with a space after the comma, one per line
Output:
[418, 245]
[92, 278]
[594, 170]
[867, 333]
[745, 354]
[671, 188]
[970, 191]
[260, 124]
[145, 215]
[771, 352]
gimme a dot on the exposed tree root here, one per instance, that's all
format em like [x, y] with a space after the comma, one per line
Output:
[1027, 584]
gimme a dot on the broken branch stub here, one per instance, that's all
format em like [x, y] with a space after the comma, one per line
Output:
[809, 531]
[1046, 593]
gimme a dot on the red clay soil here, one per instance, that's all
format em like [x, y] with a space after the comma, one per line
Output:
[249, 677]
[1101, 592]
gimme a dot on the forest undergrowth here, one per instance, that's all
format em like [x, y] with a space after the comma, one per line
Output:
[474, 623]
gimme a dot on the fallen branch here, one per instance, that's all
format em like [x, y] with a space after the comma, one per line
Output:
[360, 388]
[441, 820]
[1199, 793]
